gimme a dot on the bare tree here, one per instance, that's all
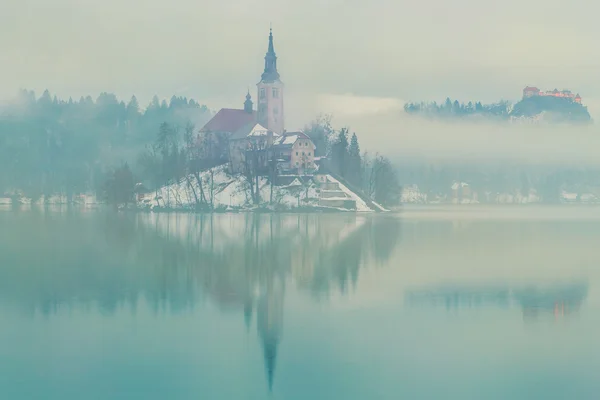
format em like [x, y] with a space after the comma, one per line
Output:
[255, 156]
[190, 146]
[382, 181]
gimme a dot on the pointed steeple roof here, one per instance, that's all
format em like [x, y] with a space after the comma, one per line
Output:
[270, 73]
[248, 103]
[270, 355]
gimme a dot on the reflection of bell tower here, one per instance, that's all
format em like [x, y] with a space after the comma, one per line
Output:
[270, 93]
[270, 324]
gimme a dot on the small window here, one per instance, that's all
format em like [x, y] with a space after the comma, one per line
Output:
[296, 163]
[306, 144]
[303, 153]
[296, 153]
[309, 153]
[263, 93]
[275, 93]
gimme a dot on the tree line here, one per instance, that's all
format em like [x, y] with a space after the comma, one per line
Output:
[54, 146]
[374, 175]
[560, 109]
[456, 109]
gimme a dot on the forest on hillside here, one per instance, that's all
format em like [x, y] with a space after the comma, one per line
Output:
[552, 109]
[108, 147]
[50, 145]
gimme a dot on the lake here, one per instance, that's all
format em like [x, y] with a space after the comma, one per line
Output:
[448, 303]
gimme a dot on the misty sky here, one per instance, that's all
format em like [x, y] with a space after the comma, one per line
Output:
[377, 53]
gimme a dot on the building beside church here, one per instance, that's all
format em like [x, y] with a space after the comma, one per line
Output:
[264, 129]
[294, 152]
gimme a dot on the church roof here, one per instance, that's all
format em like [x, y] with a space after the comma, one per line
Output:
[253, 129]
[289, 138]
[229, 120]
[270, 73]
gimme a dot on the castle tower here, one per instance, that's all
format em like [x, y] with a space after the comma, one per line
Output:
[270, 93]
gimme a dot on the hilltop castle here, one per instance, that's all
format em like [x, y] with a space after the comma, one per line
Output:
[531, 91]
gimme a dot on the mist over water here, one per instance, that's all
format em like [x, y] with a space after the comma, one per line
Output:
[98, 305]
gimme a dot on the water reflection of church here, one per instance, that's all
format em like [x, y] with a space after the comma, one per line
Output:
[173, 262]
[558, 300]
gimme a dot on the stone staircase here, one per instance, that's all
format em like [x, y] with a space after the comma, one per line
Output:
[331, 195]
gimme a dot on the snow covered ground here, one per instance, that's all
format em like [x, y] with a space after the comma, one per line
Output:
[361, 206]
[227, 191]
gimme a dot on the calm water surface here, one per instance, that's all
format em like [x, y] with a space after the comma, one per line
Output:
[421, 305]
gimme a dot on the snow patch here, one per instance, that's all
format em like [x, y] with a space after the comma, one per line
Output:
[361, 206]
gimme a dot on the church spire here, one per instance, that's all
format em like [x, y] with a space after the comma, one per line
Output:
[270, 74]
[248, 105]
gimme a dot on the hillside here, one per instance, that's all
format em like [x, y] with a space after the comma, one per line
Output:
[231, 192]
[542, 108]
[554, 109]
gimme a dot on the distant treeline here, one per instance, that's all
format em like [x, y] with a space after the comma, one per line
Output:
[453, 109]
[554, 110]
[547, 180]
[50, 145]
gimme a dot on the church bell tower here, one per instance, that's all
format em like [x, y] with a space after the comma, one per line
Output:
[270, 93]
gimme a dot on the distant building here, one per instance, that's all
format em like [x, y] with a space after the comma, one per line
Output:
[532, 91]
[252, 137]
[295, 151]
[270, 93]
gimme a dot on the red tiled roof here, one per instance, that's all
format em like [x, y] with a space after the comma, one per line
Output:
[229, 120]
[531, 89]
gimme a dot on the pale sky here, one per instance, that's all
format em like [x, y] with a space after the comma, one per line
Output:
[375, 54]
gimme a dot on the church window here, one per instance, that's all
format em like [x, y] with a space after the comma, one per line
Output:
[309, 153]
[296, 153]
[263, 93]
[275, 93]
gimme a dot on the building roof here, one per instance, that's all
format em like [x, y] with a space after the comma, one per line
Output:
[289, 138]
[229, 120]
[252, 129]
[531, 89]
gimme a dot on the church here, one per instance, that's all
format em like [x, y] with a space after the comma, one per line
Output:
[266, 124]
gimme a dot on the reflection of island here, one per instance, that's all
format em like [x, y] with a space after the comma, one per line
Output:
[558, 299]
[239, 262]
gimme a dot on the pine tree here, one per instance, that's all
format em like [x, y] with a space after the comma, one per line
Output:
[133, 109]
[354, 161]
[340, 153]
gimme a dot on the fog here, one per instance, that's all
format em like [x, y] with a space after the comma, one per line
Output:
[395, 134]
[213, 50]
[357, 61]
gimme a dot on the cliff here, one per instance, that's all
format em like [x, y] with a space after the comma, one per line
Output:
[551, 109]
